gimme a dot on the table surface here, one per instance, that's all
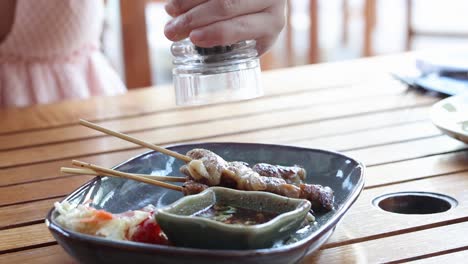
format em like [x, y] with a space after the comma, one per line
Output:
[354, 107]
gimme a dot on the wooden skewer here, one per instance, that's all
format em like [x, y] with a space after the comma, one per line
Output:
[142, 143]
[151, 177]
[135, 140]
[110, 172]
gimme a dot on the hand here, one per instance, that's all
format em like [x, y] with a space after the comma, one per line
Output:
[211, 23]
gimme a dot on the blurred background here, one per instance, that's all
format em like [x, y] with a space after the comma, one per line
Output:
[317, 31]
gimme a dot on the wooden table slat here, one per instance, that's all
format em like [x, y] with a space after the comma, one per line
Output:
[42, 255]
[41, 190]
[407, 150]
[20, 214]
[48, 170]
[374, 137]
[452, 257]
[415, 169]
[331, 127]
[25, 236]
[397, 248]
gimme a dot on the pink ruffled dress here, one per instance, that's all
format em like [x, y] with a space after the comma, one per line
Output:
[52, 53]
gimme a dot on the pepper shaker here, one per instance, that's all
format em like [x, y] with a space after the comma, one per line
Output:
[217, 74]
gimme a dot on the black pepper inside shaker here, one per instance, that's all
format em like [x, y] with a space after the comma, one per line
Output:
[213, 50]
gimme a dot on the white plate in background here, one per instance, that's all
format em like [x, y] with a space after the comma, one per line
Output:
[451, 116]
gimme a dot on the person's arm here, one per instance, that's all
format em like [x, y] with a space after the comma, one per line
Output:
[7, 17]
[210, 23]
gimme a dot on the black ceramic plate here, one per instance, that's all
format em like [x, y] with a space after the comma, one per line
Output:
[343, 174]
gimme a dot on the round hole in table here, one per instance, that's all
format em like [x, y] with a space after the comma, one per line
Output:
[415, 202]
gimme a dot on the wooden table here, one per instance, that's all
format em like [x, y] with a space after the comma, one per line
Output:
[353, 107]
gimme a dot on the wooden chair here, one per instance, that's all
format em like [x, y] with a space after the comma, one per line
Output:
[411, 32]
[314, 32]
[270, 60]
[370, 10]
[369, 16]
[135, 44]
[370, 19]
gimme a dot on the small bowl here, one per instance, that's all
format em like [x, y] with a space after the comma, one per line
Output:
[184, 229]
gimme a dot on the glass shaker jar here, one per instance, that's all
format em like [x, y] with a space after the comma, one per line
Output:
[217, 74]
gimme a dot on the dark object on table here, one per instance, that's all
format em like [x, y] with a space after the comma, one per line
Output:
[444, 83]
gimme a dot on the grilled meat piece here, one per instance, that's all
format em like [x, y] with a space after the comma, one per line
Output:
[192, 187]
[318, 195]
[249, 180]
[205, 166]
[292, 175]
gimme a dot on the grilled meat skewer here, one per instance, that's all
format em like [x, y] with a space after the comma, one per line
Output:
[209, 169]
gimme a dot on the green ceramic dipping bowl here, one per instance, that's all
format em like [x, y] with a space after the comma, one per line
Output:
[185, 230]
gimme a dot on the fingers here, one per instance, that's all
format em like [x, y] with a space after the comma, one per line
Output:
[210, 12]
[178, 7]
[250, 26]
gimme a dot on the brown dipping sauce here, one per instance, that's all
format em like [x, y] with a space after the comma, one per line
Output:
[228, 214]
